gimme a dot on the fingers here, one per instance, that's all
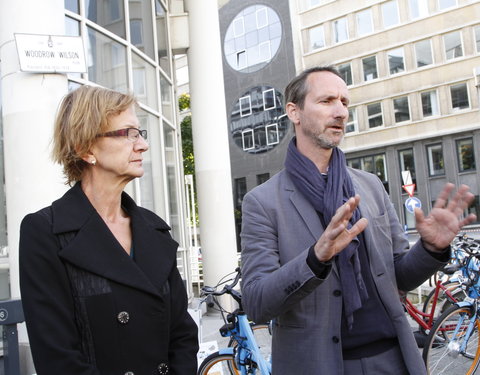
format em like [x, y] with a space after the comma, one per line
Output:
[442, 198]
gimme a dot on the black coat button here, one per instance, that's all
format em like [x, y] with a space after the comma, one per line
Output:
[335, 339]
[129, 373]
[162, 369]
[337, 293]
[123, 317]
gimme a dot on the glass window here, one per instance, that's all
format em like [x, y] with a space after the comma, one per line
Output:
[364, 22]
[390, 13]
[166, 97]
[272, 134]
[459, 94]
[136, 33]
[409, 218]
[162, 38]
[141, 34]
[430, 103]
[71, 5]
[373, 164]
[72, 27]
[407, 163]
[474, 208]
[106, 60]
[245, 106]
[316, 37]
[352, 121]
[445, 4]
[268, 99]
[435, 160]
[375, 117]
[146, 198]
[401, 109]
[172, 183]
[340, 30]
[253, 38]
[240, 191]
[261, 178]
[396, 60]
[247, 138]
[144, 82]
[453, 45]
[477, 37]
[465, 154]
[369, 68]
[418, 8]
[108, 14]
[345, 71]
[423, 53]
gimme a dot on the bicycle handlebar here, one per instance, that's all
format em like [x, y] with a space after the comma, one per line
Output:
[227, 289]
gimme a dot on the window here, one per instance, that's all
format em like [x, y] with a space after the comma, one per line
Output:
[240, 191]
[401, 109]
[418, 8]
[407, 163]
[445, 4]
[340, 30]
[369, 68]
[453, 45]
[390, 13]
[241, 59]
[423, 52]
[459, 94]
[474, 208]
[375, 117]
[396, 61]
[261, 178]
[435, 160]
[245, 106]
[465, 154]
[373, 164]
[316, 37]
[247, 138]
[264, 51]
[262, 17]
[268, 99]
[238, 27]
[352, 121]
[272, 134]
[364, 22]
[430, 103]
[345, 71]
[477, 37]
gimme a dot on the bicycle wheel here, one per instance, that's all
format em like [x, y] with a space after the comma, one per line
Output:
[263, 337]
[449, 350]
[218, 364]
[443, 301]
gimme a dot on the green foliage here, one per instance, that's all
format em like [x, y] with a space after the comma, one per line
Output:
[187, 146]
[184, 102]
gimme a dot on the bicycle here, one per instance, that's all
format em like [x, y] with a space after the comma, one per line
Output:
[453, 344]
[244, 356]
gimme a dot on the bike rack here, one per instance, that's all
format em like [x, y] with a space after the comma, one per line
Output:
[11, 313]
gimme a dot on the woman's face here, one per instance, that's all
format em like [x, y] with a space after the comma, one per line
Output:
[119, 157]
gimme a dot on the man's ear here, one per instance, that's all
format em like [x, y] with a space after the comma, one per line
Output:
[292, 112]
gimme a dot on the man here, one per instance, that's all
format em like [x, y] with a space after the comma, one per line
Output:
[323, 252]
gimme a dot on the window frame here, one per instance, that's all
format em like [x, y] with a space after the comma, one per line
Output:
[408, 108]
[242, 113]
[457, 109]
[389, 60]
[369, 117]
[459, 159]
[383, 8]
[459, 32]
[430, 162]
[436, 106]
[363, 68]
[432, 57]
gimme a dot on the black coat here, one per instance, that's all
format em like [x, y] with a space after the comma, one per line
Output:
[91, 309]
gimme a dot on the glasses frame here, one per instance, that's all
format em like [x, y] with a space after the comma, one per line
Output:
[126, 133]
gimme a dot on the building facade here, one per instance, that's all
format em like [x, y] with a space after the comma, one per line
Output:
[412, 67]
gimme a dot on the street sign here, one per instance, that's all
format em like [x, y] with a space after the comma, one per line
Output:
[407, 177]
[411, 203]
[50, 53]
[410, 189]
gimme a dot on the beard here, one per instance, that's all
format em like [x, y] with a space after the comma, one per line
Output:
[320, 138]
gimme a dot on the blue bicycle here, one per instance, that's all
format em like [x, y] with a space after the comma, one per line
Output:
[244, 354]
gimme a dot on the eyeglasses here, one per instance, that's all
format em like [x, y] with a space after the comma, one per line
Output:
[132, 134]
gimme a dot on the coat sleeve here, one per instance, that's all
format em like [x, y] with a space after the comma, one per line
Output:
[48, 303]
[183, 346]
[270, 288]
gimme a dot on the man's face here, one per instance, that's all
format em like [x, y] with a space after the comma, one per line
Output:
[322, 120]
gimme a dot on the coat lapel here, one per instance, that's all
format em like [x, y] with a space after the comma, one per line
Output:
[95, 249]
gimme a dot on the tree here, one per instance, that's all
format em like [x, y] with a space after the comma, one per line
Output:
[187, 141]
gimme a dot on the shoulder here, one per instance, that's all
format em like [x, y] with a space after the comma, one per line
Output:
[273, 186]
[153, 219]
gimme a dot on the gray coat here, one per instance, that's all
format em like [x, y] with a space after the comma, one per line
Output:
[279, 226]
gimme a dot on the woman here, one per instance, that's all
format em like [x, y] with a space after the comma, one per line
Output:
[100, 288]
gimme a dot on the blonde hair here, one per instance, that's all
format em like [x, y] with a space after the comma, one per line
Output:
[82, 115]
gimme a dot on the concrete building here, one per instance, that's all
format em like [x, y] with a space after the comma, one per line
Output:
[413, 70]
